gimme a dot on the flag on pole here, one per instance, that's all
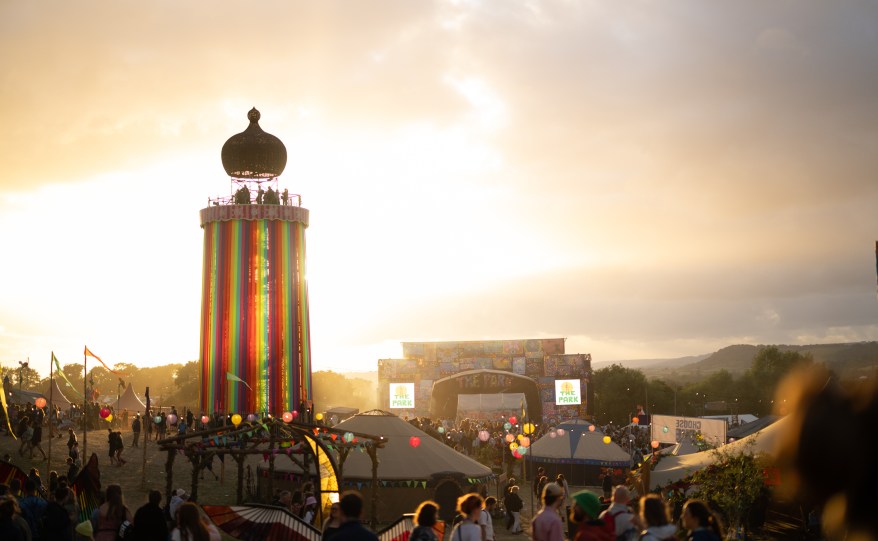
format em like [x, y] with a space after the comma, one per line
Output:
[63, 375]
[90, 354]
[6, 411]
[233, 377]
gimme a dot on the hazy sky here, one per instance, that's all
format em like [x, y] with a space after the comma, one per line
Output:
[644, 178]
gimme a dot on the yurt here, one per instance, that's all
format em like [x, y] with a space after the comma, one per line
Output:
[409, 470]
[129, 401]
[581, 455]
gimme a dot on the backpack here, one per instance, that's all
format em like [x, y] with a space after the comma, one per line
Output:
[628, 535]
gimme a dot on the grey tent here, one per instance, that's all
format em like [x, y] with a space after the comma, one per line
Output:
[578, 453]
[58, 398]
[129, 401]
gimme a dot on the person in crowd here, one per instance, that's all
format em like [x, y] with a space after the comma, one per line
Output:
[9, 529]
[149, 521]
[654, 517]
[58, 524]
[310, 510]
[486, 520]
[425, 518]
[332, 524]
[37, 439]
[111, 446]
[72, 470]
[26, 433]
[620, 515]
[108, 518]
[120, 447]
[135, 429]
[34, 475]
[297, 503]
[565, 506]
[192, 527]
[469, 506]
[585, 512]
[607, 483]
[702, 524]
[547, 525]
[33, 508]
[510, 482]
[351, 529]
[178, 499]
[514, 505]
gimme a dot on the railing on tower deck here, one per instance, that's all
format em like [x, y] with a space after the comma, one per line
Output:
[286, 200]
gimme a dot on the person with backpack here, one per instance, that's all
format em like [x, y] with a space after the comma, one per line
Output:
[486, 521]
[621, 516]
[514, 505]
[654, 515]
[468, 529]
[702, 524]
[586, 508]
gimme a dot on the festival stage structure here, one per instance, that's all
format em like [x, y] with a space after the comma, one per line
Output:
[255, 340]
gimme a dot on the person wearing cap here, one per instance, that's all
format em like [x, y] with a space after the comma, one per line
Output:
[177, 499]
[310, 510]
[586, 509]
[547, 525]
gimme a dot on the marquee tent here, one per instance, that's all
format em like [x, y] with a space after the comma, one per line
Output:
[579, 454]
[129, 401]
[674, 468]
[407, 474]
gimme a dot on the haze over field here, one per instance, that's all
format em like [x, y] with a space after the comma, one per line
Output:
[649, 180]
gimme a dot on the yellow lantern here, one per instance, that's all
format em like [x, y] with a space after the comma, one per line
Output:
[319, 416]
[236, 419]
[528, 428]
[519, 437]
[109, 418]
[607, 440]
[513, 446]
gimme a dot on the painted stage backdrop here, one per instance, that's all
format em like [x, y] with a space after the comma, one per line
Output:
[542, 360]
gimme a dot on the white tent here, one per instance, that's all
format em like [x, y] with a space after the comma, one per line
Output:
[129, 401]
[58, 398]
[674, 468]
[578, 453]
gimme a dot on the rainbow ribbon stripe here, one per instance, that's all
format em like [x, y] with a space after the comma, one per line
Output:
[254, 314]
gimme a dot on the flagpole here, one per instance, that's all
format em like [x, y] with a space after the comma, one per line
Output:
[147, 418]
[51, 409]
[84, 406]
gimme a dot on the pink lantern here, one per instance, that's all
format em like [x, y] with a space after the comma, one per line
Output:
[40, 402]
[251, 417]
[655, 444]
[414, 441]
[561, 431]
[513, 420]
[484, 435]
[591, 428]
[287, 416]
[105, 412]
[524, 442]
[510, 438]
[295, 414]
[172, 419]
[205, 419]
[553, 434]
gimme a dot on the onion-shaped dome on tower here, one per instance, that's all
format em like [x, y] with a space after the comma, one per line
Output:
[254, 154]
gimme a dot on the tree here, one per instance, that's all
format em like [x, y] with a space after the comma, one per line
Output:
[618, 391]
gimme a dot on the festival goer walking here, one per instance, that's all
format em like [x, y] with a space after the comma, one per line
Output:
[547, 525]
[702, 524]
[107, 518]
[514, 505]
[586, 508]
[468, 529]
[654, 516]
[191, 527]
[425, 519]
[486, 521]
[135, 429]
[621, 516]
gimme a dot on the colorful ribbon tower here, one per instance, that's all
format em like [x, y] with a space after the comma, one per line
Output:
[254, 314]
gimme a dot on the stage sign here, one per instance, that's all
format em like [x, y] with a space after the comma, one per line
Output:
[402, 395]
[671, 429]
[567, 392]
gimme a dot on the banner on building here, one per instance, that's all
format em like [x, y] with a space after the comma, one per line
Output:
[671, 429]
[402, 395]
[567, 392]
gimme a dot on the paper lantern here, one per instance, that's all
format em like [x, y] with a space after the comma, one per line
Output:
[484, 435]
[205, 419]
[591, 428]
[236, 419]
[607, 440]
[172, 419]
[513, 420]
[109, 418]
[525, 442]
[516, 454]
[348, 437]
[561, 431]
[665, 429]
[157, 419]
[414, 441]
[510, 438]
[654, 444]
[287, 416]
[295, 414]
[513, 446]
[319, 416]
[635, 420]
[507, 425]
[40, 402]
[251, 417]
[518, 437]
[521, 450]
[528, 428]
[104, 413]
[442, 430]
[553, 434]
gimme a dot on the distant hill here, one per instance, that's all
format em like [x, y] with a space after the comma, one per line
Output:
[649, 364]
[846, 359]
